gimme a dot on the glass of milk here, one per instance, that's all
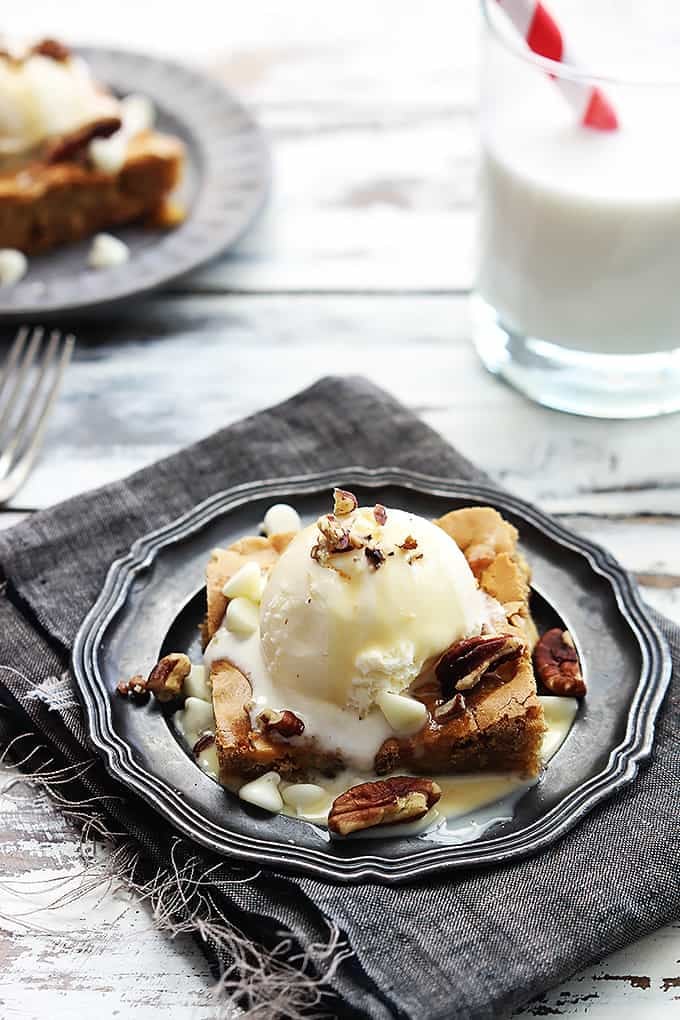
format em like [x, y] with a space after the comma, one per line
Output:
[577, 300]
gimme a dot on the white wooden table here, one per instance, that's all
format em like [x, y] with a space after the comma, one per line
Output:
[361, 264]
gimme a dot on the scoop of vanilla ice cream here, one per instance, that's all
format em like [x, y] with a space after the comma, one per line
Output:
[343, 627]
[41, 98]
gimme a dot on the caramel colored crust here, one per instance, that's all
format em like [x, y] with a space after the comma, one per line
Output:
[247, 752]
[241, 750]
[224, 563]
[489, 543]
[45, 205]
[502, 726]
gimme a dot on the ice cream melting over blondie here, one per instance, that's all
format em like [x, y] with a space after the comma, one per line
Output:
[357, 607]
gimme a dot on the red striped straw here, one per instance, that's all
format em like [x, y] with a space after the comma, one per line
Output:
[543, 35]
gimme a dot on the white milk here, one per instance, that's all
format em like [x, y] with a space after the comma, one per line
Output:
[580, 229]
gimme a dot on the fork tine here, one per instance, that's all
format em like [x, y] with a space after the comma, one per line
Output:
[20, 429]
[20, 376]
[17, 476]
[12, 357]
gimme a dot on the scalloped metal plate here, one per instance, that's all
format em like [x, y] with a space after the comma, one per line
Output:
[625, 657]
[226, 181]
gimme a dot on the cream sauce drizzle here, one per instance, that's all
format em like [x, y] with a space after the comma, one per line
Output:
[469, 804]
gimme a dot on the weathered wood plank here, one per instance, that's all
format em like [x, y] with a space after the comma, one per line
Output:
[640, 981]
[99, 955]
[172, 370]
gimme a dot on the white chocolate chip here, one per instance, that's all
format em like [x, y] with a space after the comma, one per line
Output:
[107, 251]
[281, 519]
[304, 797]
[196, 684]
[247, 582]
[195, 719]
[137, 113]
[108, 154]
[13, 266]
[209, 762]
[405, 715]
[242, 616]
[263, 792]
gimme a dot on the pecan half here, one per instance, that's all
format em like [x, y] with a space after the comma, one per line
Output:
[464, 664]
[380, 513]
[557, 665]
[166, 679]
[450, 709]
[384, 802]
[286, 724]
[344, 502]
[68, 147]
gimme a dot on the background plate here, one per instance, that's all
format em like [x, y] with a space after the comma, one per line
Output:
[226, 182]
[154, 595]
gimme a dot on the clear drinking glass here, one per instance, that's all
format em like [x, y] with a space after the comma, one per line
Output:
[577, 301]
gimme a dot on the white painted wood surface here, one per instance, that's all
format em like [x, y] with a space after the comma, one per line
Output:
[361, 263]
[125, 402]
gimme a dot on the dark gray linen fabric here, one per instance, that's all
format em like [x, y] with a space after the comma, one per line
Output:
[469, 945]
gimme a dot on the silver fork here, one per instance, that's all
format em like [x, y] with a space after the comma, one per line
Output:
[28, 389]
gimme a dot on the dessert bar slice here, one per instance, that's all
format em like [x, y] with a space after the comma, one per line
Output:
[48, 204]
[74, 158]
[496, 723]
[483, 712]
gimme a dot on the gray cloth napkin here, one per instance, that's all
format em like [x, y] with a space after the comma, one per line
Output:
[468, 945]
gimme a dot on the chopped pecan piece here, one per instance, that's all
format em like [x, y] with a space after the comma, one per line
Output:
[344, 502]
[337, 537]
[205, 741]
[409, 543]
[380, 513]
[557, 664]
[374, 556]
[52, 48]
[285, 723]
[68, 147]
[166, 679]
[464, 664]
[384, 802]
[135, 687]
[455, 706]
[333, 538]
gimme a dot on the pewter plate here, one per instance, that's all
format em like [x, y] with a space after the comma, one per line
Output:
[153, 601]
[225, 184]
